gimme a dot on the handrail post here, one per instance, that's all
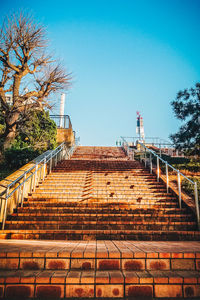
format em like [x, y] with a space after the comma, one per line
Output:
[59, 155]
[150, 163]
[64, 121]
[50, 167]
[133, 155]
[158, 169]
[62, 153]
[56, 159]
[5, 209]
[65, 152]
[22, 199]
[179, 188]
[40, 172]
[44, 168]
[167, 177]
[18, 195]
[31, 185]
[35, 179]
[145, 158]
[197, 204]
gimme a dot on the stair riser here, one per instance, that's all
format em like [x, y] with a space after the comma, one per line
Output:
[124, 205]
[102, 196]
[100, 226]
[104, 190]
[139, 290]
[101, 210]
[76, 182]
[114, 235]
[107, 219]
[65, 262]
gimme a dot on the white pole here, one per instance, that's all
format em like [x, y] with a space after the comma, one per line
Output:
[62, 107]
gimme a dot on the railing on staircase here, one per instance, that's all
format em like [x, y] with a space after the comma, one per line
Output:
[160, 145]
[146, 156]
[27, 182]
[62, 121]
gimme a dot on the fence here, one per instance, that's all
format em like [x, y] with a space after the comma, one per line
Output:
[26, 183]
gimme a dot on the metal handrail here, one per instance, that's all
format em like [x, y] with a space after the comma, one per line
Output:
[167, 166]
[165, 162]
[163, 146]
[52, 158]
[155, 140]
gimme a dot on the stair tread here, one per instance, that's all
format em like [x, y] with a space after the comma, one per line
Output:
[112, 248]
[80, 274]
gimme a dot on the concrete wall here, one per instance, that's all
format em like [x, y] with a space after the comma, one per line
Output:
[65, 135]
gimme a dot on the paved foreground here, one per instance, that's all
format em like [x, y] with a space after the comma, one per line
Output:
[99, 269]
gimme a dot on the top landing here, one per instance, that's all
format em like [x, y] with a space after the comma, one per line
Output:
[99, 153]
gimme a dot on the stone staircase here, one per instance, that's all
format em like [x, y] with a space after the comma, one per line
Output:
[126, 236]
[104, 197]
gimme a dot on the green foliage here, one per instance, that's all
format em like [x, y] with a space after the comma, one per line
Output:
[37, 132]
[16, 158]
[181, 163]
[175, 160]
[188, 187]
[2, 122]
[5, 170]
[36, 135]
[186, 107]
[191, 166]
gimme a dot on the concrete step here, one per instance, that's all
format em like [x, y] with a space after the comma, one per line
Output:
[100, 225]
[95, 217]
[99, 205]
[106, 192]
[134, 235]
[78, 188]
[102, 178]
[110, 194]
[99, 269]
[104, 209]
[106, 285]
[100, 255]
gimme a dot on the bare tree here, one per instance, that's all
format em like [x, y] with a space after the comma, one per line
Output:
[26, 71]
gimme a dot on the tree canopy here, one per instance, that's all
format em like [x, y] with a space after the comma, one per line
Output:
[37, 132]
[27, 72]
[186, 107]
[34, 136]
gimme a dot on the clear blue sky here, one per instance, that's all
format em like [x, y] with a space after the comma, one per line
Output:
[125, 55]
